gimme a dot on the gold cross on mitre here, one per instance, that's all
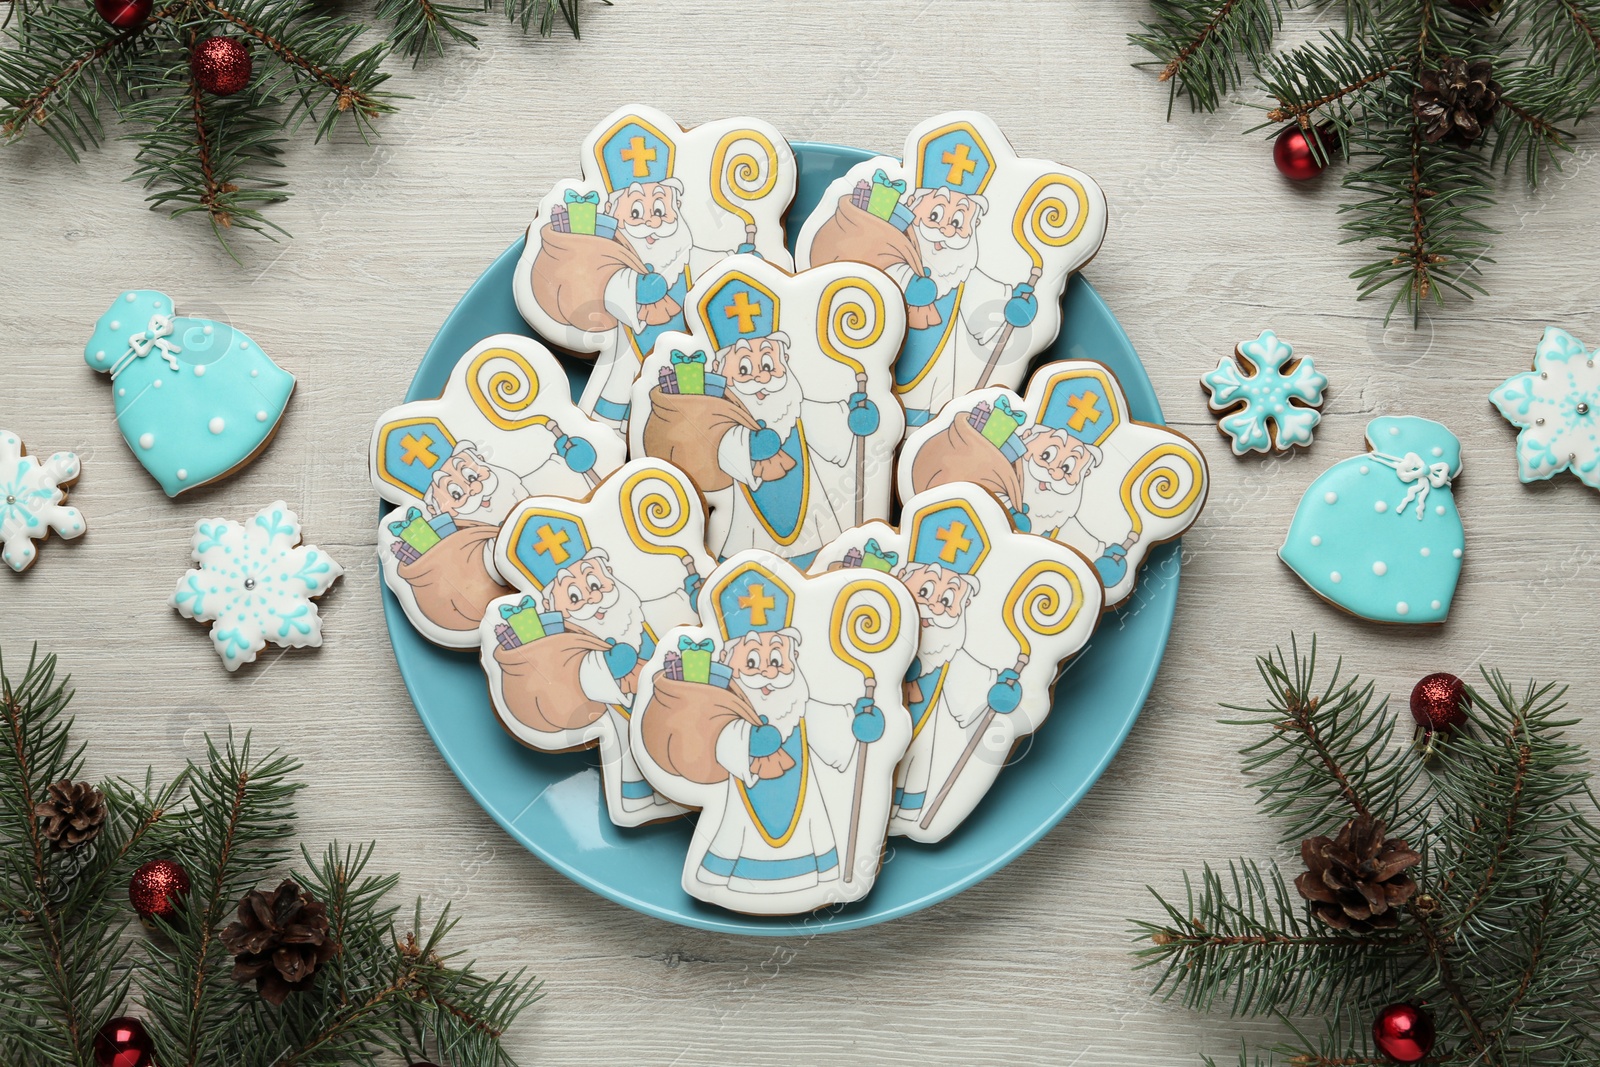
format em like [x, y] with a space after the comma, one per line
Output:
[553, 544]
[960, 165]
[744, 311]
[758, 601]
[417, 451]
[640, 155]
[1083, 410]
[954, 542]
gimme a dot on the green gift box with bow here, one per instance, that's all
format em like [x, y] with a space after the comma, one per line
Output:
[876, 558]
[696, 659]
[885, 196]
[690, 370]
[523, 618]
[583, 209]
[1003, 422]
[415, 531]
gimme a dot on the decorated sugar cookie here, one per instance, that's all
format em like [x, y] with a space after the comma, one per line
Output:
[33, 496]
[504, 428]
[597, 584]
[254, 584]
[779, 404]
[196, 400]
[1069, 463]
[1268, 398]
[999, 612]
[789, 742]
[611, 257]
[980, 240]
[1557, 408]
[1379, 534]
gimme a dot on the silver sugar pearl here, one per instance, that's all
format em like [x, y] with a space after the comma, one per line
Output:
[1544, 374]
[1583, 409]
[249, 583]
[11, 500]
[1538, 422]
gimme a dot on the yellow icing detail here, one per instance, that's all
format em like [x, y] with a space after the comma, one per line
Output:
[1038, 211]
[653, 512]
[743, 169]
[1157, 486]
[835, 323]
[507, 391]
[858, 624]
[1039, 602]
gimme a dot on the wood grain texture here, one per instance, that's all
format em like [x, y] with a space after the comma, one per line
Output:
[1206, 246]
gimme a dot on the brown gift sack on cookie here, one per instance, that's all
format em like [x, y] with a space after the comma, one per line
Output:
[962, 454]
[540, 681]
[685, 428]
[570, 274]
[857, 236]
[452, 585]
[681, 725]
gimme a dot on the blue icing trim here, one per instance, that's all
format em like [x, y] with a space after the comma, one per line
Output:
[1379, 535]
[1557, 407]
[194, 398]
[1251, 399]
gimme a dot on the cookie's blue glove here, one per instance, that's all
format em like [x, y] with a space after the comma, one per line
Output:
[764, 444]
[1021, 520]
[920, 292]
[1005, 694]
[914, 671]
[1113, 565]
[868, 724]
[621, 659]
[1022, 307]
[578, 453]
[764, 740]
[650, 287]
[863, 416]
[692, 586]
[748, 249]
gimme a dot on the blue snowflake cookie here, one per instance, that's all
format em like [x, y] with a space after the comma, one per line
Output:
[1268, 399]
[1557, 408]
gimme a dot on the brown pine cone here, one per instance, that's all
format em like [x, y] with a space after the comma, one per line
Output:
[1457, 101]
[72, 812]
[1357, 881]
[279, 940]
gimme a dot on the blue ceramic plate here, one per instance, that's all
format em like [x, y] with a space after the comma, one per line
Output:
[552, 804]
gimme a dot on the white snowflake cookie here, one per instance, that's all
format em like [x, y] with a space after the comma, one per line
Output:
[32, 500]
[1556, 405]
[1268, 399]
[254, 583]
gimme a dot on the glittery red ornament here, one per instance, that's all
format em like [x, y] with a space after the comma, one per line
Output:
[123, 1043]
[1437, 702]
[1293, 155]
[1403, 1032]
[221, 65]
[158, 888]
[124, 14]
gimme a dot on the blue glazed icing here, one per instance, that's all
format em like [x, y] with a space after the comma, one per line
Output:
[1379, 534]
[194, 398]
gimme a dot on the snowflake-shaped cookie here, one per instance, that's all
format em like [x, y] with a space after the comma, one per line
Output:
[31, 500]
[254, 585]
[1556, 404]
[1268, 398]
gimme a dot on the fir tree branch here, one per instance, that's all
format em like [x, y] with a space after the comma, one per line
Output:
[1201, 45]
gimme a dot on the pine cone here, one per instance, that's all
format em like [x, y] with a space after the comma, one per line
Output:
[1357, 881]
[73, 813]
[279, 940]
[1458, 101]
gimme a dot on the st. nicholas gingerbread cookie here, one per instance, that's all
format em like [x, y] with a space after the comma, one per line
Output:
[33, 500]
[980, 240]
[196, 399]
[789, 745]
[779, 404]
[598, 584]
[999, 611]
[1070, 463]
[611, 257]
[503, 428]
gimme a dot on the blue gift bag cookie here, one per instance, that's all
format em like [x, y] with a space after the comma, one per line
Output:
[1379, 534]
[196, 400]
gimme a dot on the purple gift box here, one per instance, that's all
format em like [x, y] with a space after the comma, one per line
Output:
[861, 195]
[674, 665]
[404, 552]
[507, 637]
[852, 557]
[668, 380]
[979, 415]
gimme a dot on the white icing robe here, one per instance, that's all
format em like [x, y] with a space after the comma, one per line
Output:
[1056, 517]
[624, 349]
[957, 690]
[941, 362]
[761, 511]
[776, 835]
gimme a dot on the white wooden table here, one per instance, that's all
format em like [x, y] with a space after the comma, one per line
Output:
[1206, 246]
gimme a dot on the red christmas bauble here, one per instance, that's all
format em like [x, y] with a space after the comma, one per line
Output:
[123, 1043]
[1293, 155]
[221, 65]
[1403, 1032]
[1436, 702]
[157, 889]
[124, 14]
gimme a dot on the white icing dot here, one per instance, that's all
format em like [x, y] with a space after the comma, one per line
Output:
[1402, 608]
[1456, 552]
[244, 345]
[1331, 497]
[1394, 431]
[206, 330]
[129, 297]
[1438, 509]
[261, 416]
[1380, 568]
[1316, 539]
[121, 391]
[1335, 578]
[183, 475]
[200, 371]
[254, 373]
[156, 384]
[1438, 451]
[1435, 605]
[1380, 507]
[217, 425]
[100, 356]
[1425, 551]
[147, 440]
